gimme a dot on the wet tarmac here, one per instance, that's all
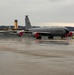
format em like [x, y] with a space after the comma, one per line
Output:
[28, 56]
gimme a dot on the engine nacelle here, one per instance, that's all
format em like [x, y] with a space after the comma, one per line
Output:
[70, 34]
[37, 35]
[19, 33]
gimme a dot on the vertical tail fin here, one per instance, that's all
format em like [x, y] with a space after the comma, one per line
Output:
[27, 22]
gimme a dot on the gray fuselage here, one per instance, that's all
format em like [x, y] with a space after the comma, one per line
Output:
[53, 31]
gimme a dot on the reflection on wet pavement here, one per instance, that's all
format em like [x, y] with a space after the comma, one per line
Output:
[28, 56]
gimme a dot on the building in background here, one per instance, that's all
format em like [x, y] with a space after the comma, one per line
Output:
[16, 24]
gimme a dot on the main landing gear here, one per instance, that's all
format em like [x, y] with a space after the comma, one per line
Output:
[50, 37]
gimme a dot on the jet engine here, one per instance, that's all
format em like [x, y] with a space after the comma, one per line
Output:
[69, 34]
[20, 33]
[37, 35]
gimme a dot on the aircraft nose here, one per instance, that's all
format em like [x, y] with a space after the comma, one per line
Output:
[67, 31]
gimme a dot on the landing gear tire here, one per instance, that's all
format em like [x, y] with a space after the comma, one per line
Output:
[38, 37]
[61, 37]
[50, 37]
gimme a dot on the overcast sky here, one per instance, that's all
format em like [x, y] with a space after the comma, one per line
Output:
[40, 11]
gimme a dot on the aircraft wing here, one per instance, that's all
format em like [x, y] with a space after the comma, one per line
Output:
[3, 31]
[7, 32]
[44, 33]
[41, 33]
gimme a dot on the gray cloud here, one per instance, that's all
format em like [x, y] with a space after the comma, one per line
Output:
[39, 11]
[55, 0]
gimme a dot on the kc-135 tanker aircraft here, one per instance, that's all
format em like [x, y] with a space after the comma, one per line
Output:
[39, 32]
[50, 31]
